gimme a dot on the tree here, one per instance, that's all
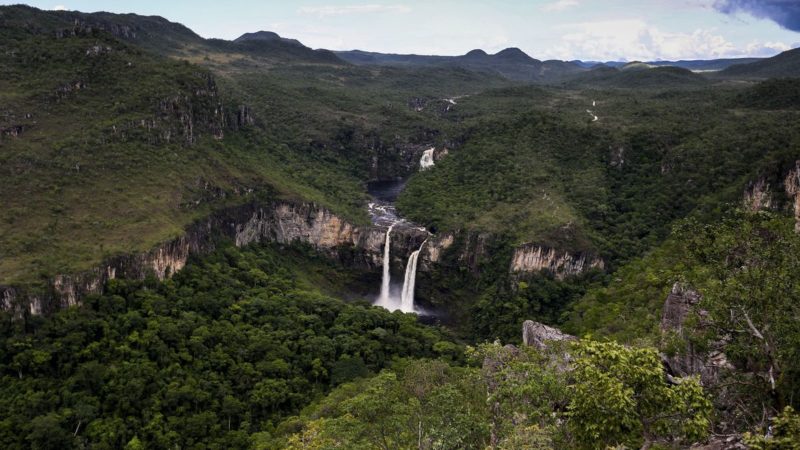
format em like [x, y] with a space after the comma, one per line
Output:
[47, 433]
[527, 391]
[748, 271]
[621, 396]
[784, 433]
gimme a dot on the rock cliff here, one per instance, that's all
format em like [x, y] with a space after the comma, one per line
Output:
[531, 258]
[680, 303]
[280, 222]
[437, 245]
[187, 116]
[792, 186]
[758, 195]
[764, 193]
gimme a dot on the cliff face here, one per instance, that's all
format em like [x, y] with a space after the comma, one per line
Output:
[184, 118]
[760, 195]
[280, 222]
[792, 186]
[534, 258]
[432, 253]
[678, 306]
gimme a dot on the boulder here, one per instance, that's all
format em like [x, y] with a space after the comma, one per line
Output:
[538, 335]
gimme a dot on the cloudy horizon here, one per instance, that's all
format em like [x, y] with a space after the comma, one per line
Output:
[591, 30]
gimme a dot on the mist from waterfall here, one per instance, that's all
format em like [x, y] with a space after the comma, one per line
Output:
[405, 302]
[426, 161]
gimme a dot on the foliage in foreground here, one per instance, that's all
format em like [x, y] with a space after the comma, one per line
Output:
[746, 268]
[784, 434]
[227, 348]
[609, 395]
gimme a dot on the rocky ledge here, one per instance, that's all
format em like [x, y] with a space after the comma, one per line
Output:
[279, 222]
[765, 192]
[534, 258]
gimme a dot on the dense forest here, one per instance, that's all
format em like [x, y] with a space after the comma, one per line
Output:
[190, 256]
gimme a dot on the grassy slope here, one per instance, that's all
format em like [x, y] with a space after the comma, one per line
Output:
[76, 190]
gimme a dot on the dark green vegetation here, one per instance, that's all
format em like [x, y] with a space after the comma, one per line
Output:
[786, 64]
[776, 94]
[225, 349]
[746, 267]
[617, 397]
[155, 147]
[537, 170]
[638, 77]
[160, 143]
[117, 131]
[540, 171]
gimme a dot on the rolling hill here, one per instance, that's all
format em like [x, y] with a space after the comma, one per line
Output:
[511, 63]
[637, 75]
[786, 64]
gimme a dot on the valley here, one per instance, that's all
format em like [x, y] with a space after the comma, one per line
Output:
[250, 243]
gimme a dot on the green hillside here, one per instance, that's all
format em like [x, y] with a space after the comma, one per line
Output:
[161, 142]
[656, 210]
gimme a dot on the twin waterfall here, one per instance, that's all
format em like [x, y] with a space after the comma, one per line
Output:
[383, 213]
[406, 301]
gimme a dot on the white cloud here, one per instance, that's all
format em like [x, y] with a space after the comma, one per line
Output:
[59, 8]
[636, 39]
[325, 11]
[559, 5]
[765, 49]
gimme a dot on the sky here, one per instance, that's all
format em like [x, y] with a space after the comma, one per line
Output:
[597, 30]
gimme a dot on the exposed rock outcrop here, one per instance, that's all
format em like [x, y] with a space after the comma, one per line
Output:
[531, 258]
[765, 192]
[286, 223]
[475, 250]
[432, 253]
[758, 195]
[196, 111]
[280, 222]
[11, 131]
[792, 185]
[722, 442]
[680, 303]
[539, 335]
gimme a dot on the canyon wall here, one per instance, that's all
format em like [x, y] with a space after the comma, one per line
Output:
[531, 258]
[280, 222]
[767, 192]
[792, 186]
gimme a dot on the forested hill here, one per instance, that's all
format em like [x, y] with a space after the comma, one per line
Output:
[511, 63]
[155, 34]
[195, 234]
[786, 64]
[161, 128]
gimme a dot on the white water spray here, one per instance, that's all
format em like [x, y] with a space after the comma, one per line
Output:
[407, 298]
[384, 298]
[426, 161]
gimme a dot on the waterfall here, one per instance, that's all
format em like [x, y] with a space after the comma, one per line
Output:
[426, 161]
[407, 298]
[384, 299]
